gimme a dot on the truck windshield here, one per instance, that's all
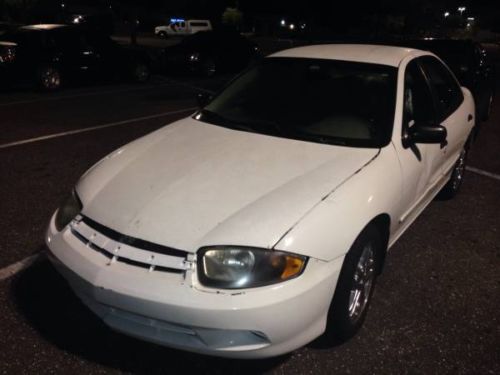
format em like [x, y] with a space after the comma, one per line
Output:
[316, 100]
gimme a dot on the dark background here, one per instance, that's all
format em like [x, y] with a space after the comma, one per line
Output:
[335, 17]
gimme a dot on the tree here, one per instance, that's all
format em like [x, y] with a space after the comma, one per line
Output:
[232, 16]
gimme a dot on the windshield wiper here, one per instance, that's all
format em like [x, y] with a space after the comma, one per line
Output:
[264, 125]
[321, 139]
[268, 127]
[217, 119]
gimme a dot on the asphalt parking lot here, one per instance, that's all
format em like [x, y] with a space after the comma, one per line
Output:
[435, 309]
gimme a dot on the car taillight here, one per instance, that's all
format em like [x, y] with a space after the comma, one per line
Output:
[7, 54]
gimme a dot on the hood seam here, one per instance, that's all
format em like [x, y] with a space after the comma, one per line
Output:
[324, 198]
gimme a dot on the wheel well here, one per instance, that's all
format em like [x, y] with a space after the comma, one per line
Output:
[383, 224]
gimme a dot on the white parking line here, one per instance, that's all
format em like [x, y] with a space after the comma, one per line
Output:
[92, 128]
[11, 270]
[484, 173]
[84, 94]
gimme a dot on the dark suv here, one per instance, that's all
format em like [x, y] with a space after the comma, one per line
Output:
[51, 55]
[211, 52]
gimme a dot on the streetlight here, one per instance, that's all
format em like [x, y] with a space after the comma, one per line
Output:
[461, 10]
[446, 14]
[283, 23]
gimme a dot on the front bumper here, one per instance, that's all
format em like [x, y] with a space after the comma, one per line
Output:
[174, 310]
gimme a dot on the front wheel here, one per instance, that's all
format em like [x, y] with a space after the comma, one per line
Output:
[48, 78]
[456, 179]
[488, 107]
[355, 286]
[141, 72]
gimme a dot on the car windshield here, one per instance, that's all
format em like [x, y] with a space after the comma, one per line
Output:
[317, 100]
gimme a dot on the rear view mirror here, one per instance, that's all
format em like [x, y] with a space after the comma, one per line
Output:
[203, 98]
[426, 133]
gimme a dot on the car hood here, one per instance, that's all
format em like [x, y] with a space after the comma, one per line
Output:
[193, 184]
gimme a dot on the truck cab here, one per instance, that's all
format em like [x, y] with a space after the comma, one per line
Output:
[182, 27]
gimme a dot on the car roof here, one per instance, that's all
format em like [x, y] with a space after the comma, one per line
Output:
[368, 53]
[438, 43]
[43, 27]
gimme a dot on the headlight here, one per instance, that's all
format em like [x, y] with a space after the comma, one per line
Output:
[194, 57]
[67, 212]
[236, 267]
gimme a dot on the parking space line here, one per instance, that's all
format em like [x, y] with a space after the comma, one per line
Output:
[11, 270]
[484, 173]
[81, 95]
[92, 128]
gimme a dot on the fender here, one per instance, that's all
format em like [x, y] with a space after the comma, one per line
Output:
[329, 230]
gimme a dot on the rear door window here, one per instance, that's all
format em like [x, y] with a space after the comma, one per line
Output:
[446, 89]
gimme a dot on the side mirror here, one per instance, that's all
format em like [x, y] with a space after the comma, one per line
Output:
[425, 133]
[203, 98]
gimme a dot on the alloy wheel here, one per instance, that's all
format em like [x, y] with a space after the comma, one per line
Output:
[141, 73]
[459, 171]
[50, 78]
[364, 277]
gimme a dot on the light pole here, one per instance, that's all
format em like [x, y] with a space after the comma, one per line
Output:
[461, 10]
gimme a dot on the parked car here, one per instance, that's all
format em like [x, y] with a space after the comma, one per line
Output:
[471, 65]
[50, 55]
[262, 221]
[211, 52]
[181, 27]
[7, 26]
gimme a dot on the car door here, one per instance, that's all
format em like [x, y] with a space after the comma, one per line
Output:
[75, 54]
[452, 113]
[182, 29]
[483, 81]
[420, 166]
[107, 55]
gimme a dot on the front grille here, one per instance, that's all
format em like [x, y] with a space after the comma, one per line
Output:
[132, 241]
[117, 247]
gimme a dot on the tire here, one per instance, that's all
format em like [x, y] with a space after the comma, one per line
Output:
[163, 35]
[355, 286]
[452, 187]
[48, 78]
[488, 107]
[141, 72]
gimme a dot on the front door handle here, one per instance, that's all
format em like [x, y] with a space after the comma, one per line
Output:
[470, 118]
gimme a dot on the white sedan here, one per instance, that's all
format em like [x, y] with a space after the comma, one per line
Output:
[262, 221]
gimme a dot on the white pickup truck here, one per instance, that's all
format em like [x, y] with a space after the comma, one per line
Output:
[182, 27]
